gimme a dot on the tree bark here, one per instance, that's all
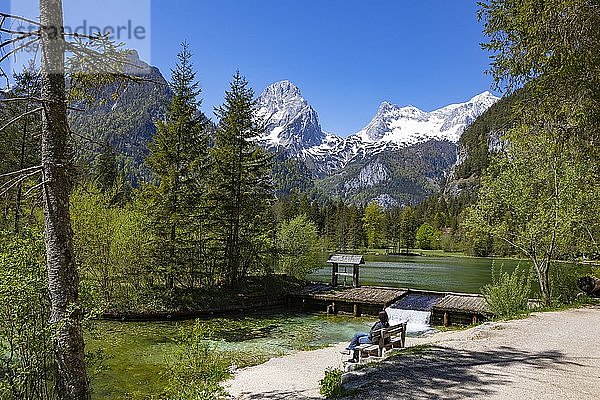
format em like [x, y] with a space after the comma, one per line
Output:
[63, 279]
[542, 271]
[20, 185]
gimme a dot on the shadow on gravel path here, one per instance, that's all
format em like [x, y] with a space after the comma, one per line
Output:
[440, 372]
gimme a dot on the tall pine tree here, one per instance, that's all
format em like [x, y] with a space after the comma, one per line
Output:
[241, 187]
[179, 161]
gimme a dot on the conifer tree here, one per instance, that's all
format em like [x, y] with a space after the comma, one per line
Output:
[179, 160]
[241, 188]
[105, 168]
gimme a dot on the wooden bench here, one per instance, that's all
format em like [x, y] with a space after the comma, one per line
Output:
[383, 340]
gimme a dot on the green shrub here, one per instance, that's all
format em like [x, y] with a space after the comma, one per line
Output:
[426, 237]
[198, 368]
[26, 363]
[331, 385]
[508, 294]
[298, 246]
[563, 284]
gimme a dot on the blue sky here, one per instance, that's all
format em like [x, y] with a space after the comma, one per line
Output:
[347, 56]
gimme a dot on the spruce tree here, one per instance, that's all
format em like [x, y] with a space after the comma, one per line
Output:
[179, 161]
[105, 168]
[241, 187]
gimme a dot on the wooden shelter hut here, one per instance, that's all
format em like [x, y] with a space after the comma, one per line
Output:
[346, 260]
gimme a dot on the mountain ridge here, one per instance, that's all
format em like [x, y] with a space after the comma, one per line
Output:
[371, 160]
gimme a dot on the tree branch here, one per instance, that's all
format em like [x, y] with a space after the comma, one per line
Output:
[86, 138]
[16, 49]
[34, 187]
[28, 98]
[17, 17]
[82, 50]
[592, 238]
[513, 244]
[37, 167]
[12, 121]
[89, 37]
[14, 40]
[6, 187]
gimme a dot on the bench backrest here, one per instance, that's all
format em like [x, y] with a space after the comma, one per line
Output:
[381, 335]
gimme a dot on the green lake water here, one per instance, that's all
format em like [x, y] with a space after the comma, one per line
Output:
[136, 354]
[445, 274]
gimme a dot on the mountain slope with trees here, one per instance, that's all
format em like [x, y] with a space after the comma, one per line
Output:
[541, 193]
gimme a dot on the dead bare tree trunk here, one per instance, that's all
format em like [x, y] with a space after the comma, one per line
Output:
[63, 279]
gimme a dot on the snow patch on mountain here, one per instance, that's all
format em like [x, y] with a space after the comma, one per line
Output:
[292, 125]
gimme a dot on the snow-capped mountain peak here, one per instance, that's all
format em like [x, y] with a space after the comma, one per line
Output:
[290, 122]
[410, 125]
[483, 97]
[292, 125]
[282, 90]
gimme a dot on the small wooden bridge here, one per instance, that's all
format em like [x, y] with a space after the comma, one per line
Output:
[446, 308]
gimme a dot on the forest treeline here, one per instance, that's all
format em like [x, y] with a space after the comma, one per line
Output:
[211, 214]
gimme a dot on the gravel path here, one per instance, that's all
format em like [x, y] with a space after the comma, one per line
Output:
[553, 355]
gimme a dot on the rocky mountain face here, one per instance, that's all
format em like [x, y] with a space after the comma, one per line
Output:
[400, 157]
[126, 120]
[291, 124]
[399, 176]
[478, 141]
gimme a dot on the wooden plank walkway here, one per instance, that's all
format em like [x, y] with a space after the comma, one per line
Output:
[445, 307]
[363, 294]
[463, 303]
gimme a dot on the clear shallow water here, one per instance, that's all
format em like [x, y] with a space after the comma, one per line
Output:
[137, 353]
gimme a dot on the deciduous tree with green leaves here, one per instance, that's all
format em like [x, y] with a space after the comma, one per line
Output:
[298, 247]
[26, 362]
[373, 222]
[112, 248]
[408, 228]
[425, 237]
[541, 193]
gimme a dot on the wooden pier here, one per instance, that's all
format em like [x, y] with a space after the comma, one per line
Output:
[446, 308]
[459, 309]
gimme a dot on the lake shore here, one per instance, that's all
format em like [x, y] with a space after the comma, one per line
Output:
[549, 355]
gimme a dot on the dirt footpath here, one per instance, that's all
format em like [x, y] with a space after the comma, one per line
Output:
[548, 355]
